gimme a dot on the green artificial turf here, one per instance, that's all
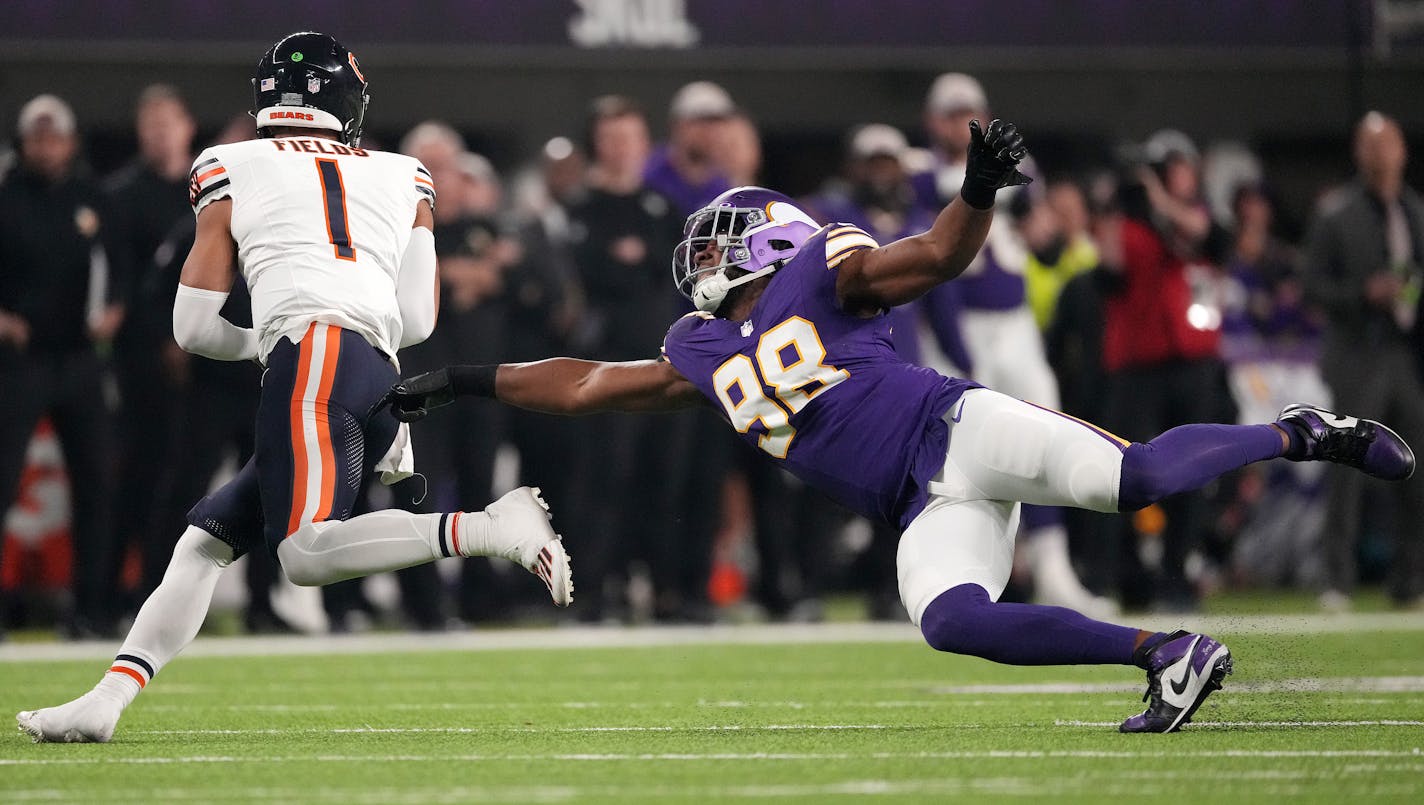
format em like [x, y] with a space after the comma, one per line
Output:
[891, 722]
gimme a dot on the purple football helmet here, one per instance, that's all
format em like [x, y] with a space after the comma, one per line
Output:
[757, 231]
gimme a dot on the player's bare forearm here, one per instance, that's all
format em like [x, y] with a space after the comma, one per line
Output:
[875, 279]
[906, 269]
[198, 325]
[955, 239]
[571, 386]
[567, 386]
[212, 262]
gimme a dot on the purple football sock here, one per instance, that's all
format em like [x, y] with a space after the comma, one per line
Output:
[1189, 456]
[963, 620]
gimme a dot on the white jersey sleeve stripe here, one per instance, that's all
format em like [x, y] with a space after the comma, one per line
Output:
[208, 182]
[845, 241]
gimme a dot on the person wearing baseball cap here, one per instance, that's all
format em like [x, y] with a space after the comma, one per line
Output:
[55, 313]
[686, 169]
[954, 99]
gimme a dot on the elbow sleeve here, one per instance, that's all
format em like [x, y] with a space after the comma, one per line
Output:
[199, 328]
[415, 288]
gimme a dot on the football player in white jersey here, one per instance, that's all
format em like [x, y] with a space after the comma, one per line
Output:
[335, 244]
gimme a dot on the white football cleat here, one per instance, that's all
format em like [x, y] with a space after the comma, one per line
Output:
[91, 718]
[520, 526]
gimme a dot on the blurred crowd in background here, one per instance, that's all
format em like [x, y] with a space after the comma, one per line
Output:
[1151, 290]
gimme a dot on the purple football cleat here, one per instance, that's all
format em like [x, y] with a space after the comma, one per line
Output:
[1363, 444]
[1182, 671]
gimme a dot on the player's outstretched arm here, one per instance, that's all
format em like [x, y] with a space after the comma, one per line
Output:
[567, 386]
[203, 286]
[874, 279]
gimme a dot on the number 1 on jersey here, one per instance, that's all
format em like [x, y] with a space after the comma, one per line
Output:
[334, 193]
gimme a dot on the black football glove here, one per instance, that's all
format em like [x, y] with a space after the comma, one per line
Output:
[414, 397]
[993, 162]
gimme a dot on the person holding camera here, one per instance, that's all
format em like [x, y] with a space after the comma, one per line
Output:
[1362, 265]
[1161, 336]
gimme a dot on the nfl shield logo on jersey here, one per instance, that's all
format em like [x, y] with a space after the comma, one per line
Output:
[313, 85]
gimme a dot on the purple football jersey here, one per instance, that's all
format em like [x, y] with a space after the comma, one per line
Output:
[822, 390]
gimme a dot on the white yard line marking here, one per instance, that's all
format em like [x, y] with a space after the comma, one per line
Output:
[611, 757]
[1100, 785]
[1268, 783]
[1287, 724]
[1350, 684]
[1038, 688]
[950, 701]
[653, 636]
[484, 730]
[1344, 684]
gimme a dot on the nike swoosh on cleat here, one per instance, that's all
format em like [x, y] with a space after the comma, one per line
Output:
[959, 413]
[1179, 686]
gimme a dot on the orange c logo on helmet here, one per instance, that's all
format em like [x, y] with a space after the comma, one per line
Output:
[351, 57]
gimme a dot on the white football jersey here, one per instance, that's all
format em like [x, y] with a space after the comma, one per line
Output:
[320, 227]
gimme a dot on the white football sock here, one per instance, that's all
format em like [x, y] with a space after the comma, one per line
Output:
[473, 534]
[171, 617]
[336, 550]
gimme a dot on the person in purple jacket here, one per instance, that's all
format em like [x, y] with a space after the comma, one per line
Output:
[790, 342]
[686, 169]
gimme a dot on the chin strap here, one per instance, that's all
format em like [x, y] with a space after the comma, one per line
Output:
[709, 293]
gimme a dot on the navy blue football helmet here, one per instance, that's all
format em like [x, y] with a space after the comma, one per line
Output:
[309, 80]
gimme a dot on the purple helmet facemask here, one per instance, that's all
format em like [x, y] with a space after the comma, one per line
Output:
[756, 230]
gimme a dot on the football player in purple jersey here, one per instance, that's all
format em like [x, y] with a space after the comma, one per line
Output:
[790, 342]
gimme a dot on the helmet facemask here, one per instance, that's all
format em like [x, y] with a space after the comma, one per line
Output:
[753, 242]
